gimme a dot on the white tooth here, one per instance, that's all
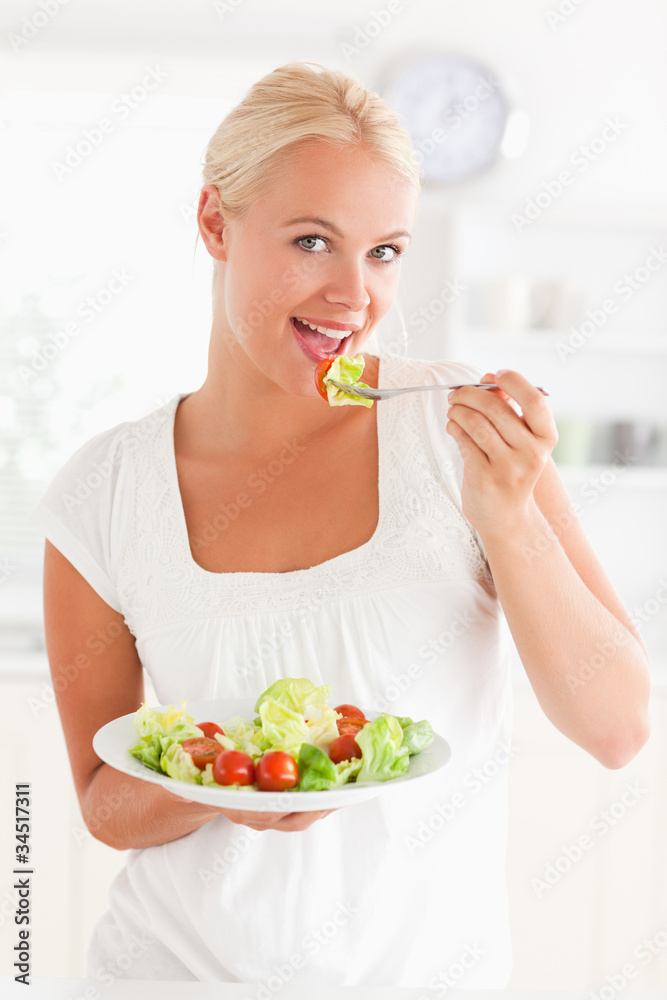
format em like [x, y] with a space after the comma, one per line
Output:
[335, 334]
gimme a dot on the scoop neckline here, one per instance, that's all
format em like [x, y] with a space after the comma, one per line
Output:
[241, 575]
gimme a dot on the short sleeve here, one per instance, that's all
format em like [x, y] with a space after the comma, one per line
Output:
[82, 511]
[445, 449]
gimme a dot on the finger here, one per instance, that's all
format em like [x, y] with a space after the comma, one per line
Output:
[276, 821]
[257, 820]
[488, 420]
[470, 451]
[301, 821]
[535, 411]
[490, 377]
[497, 408]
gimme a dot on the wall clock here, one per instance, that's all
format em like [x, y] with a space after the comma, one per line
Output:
[457, 114]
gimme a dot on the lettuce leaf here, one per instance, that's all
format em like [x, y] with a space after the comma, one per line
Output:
[159, 730]
[243, 735]
[297, 693]
[416, 735]
[348, 371]
[294, 711]
[284, 728]
[148, 751]
[322, 727]
[149, 722]
[384, 754]
[178, 763]
[317, 772]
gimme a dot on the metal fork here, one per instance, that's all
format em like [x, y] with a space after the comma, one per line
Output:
[355, 390]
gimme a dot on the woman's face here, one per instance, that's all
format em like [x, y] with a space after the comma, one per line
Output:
[324, 245]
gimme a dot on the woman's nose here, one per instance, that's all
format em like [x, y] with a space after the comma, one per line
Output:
[348, 288]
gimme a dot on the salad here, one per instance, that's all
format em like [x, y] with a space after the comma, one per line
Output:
[342, 369]
[296, 741]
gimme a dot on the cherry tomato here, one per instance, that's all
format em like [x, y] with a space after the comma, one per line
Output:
[203, 751]
[346, 726]
[232, 767]
[209, 729]
[276, 771]
[351, 712]
[350, 724]
[320, 372]
[344, 748]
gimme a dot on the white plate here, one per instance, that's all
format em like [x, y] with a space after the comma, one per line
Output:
[112, 743]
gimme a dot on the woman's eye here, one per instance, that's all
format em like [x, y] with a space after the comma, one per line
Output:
[307, 241]
[387, 254]
[394, 252]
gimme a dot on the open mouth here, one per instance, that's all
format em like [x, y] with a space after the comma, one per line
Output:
[316, 345]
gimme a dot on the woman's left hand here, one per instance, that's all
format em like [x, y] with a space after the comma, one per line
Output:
[503, 453]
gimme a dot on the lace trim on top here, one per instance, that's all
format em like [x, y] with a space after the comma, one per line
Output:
[421, 534]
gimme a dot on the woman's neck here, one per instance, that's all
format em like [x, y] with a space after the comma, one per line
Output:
[239, 411]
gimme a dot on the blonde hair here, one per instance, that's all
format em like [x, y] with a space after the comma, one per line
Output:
[292, 104]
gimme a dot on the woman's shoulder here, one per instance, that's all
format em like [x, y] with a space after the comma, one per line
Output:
[114, 440]
[94, 467]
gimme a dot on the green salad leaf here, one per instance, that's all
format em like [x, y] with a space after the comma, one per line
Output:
[178, 763]
[416, 735]
[158, 730]
[284, 728]
[297, 693]
[245, 736]
[149, 751]
[149, 721]
[384, 754]
[348, 371]
[317, 772]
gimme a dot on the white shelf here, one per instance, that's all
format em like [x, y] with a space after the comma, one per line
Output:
[614, 376]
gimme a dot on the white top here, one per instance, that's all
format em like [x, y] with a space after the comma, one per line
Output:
[406, 889]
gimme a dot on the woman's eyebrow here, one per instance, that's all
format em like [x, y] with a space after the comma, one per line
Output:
[334, 229]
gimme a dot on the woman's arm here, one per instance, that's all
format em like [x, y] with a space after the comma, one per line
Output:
[586, 663]
[119, 810]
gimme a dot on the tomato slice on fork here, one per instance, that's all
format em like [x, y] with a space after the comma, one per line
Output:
[320, 372]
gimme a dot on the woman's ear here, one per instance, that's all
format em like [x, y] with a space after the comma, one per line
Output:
[211, 222]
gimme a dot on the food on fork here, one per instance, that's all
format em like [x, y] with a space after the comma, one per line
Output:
[345, 370]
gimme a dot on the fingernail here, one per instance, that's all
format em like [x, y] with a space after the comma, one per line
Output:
[450, 395]
[502, 371]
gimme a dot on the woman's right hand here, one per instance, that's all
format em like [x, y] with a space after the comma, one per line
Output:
[269, 820]
[275, 821]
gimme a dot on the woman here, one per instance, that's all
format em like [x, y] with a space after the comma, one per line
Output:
[247, 531]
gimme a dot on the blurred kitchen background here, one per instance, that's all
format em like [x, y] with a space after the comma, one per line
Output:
[540, 245]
